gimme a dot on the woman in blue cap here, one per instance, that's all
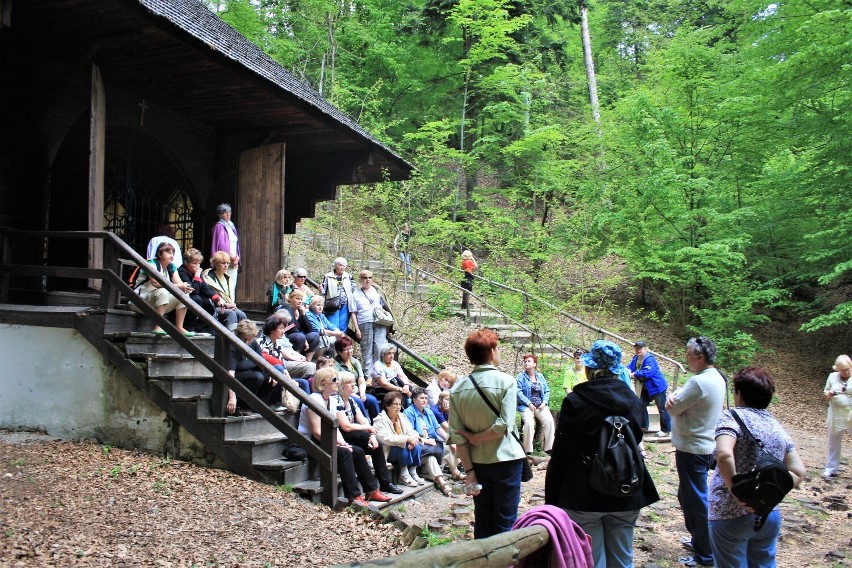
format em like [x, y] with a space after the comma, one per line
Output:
[608, 519]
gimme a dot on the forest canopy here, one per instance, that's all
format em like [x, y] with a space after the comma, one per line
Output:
[715, 163]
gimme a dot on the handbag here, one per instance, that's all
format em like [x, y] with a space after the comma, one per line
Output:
[382, 317]
[526, 473]
[765, 485]
[332, 296]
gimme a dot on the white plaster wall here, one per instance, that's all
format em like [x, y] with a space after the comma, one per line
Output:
[54, 380]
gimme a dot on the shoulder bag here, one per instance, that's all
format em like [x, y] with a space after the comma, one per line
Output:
[527, 473]
[765, 485]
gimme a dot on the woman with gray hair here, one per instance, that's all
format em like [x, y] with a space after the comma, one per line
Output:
[339, 291]
[225, 238]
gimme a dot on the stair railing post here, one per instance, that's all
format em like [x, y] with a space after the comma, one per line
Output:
[5, 258]
[220, 391]
[109, 293]
[328, 477]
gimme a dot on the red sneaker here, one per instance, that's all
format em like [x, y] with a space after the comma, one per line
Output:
[377, 495]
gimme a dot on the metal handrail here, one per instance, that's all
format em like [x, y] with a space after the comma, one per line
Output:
[325, 454]
[679, 368]
[399, 344]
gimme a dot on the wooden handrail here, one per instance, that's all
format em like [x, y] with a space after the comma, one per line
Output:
[325, 454]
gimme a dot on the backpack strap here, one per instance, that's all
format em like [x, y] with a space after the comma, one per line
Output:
[494, 410]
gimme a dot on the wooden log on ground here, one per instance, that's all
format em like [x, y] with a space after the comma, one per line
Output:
[497, 551]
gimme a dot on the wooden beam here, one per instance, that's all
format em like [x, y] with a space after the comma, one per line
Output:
[97, 155]
[498, 551]
[5, 14]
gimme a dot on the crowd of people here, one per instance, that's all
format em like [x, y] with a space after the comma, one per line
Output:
[465, 428]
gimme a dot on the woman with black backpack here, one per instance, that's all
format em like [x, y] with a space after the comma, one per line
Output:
[596, 471]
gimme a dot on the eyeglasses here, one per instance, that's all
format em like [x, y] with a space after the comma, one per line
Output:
[301, 276]
[334, 379]
[396, 404]
[366, 278]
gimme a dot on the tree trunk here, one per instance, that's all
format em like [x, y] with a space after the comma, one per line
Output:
[590, 64]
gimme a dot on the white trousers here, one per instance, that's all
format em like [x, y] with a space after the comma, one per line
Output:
[546, 428]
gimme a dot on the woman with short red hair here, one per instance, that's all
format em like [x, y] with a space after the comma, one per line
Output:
[533, 400]
[485, 439]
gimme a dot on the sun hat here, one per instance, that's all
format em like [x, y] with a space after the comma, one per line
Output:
[604, 355]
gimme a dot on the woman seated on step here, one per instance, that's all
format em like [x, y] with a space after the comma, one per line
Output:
[358, 431]
[281, 288]
[432, 437]
[351, 461]
[388, 375]
[327, 331]
[158, 297]
[217, 277]
[205, 296]
[442, 415]
[304, 340]
[250, 375]
[273, 332]
[344, 361]
[401, 442]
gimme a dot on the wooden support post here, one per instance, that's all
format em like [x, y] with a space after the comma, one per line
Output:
[5, 258]
[220, 391]
[328, 477]
[109, 293]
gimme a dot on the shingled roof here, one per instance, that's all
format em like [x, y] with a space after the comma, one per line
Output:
[179, 56]
[192, 17]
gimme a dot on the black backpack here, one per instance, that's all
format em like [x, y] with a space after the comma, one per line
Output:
[617, 468]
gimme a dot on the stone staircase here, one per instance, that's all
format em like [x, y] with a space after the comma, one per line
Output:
[183, 388]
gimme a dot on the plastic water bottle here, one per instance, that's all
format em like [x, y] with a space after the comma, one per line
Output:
[467, 489]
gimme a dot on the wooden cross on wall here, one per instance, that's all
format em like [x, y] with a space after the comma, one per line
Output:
[144, 107]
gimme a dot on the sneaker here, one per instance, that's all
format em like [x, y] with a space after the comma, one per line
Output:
[691, 561]
[408, 481]
[686, 542]
[418, 480]
[828, 473]
[662, 434]
[377, 495]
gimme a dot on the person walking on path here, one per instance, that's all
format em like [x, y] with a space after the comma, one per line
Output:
[400, 245]
[468, 265]
[837, 393]
[484, 441]
[645, 369]
[695, 409]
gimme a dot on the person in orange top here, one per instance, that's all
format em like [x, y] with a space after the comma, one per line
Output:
[468, 265]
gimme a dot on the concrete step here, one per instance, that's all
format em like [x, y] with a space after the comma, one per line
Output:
[282, 471]
[140, 345]
[185, 388]
[261, 447]
[238, 427]
[180, 365]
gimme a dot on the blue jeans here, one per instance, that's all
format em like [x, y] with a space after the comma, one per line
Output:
[692, 472]
[612, 536]
[405, 457]
[405, 258]
[660, 400]
[496, 507]
[736, 545]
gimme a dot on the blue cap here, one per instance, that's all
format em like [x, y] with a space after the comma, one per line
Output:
[604, 355]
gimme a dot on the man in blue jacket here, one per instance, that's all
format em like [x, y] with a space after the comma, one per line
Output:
[644, 368]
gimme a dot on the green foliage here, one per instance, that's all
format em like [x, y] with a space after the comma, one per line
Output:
[716, 184]
[434, 539]
[439, 299]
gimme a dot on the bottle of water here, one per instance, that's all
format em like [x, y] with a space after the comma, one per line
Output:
[467, 489]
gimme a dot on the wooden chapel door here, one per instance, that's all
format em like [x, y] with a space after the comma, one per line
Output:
[259, 218]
